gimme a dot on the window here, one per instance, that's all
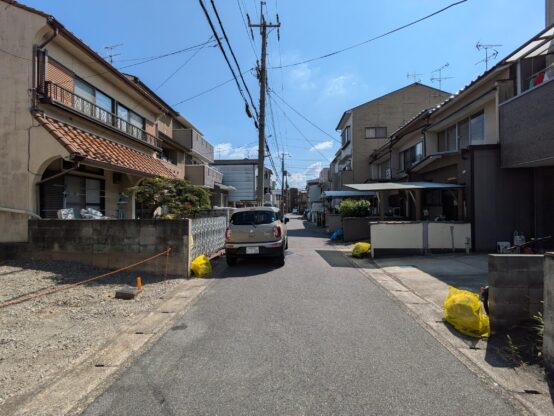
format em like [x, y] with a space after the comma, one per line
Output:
[375, 132]
[383, 170]
[463, 134]
[346, 135]
[448, 140]
[104, 107]
[253, 218]
[477, 128]
[411, 156]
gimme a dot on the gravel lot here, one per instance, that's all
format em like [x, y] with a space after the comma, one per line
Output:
[40, 337]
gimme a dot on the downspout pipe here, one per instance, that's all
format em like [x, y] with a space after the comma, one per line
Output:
[20, 211]
[52, 23]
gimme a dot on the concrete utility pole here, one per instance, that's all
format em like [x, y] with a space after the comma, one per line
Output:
[283, 174]
[262, 76]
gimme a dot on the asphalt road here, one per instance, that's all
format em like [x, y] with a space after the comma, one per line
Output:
[315, 337]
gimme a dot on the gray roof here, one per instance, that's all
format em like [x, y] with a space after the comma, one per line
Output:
[398, 186]
[346, 194]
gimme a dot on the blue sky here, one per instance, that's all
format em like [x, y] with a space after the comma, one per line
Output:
[320, 90]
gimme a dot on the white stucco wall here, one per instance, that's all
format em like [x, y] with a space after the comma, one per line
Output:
[440, 235]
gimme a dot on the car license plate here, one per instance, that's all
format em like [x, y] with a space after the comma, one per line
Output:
[252, 250]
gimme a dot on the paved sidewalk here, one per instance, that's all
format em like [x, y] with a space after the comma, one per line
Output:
[420, 284]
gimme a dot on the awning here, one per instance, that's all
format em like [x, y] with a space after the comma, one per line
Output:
[430, 159]
[346, 194]
[225, 187]
[399, 186]
[103, 153]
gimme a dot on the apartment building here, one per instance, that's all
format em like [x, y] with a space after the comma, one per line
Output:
[493, 138]
[75, 133]
[367, 127]
[241, 175]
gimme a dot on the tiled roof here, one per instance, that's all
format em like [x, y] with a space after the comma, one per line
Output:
[98, 150]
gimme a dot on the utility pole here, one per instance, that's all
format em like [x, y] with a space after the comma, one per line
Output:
[283, 174]
[262, 76]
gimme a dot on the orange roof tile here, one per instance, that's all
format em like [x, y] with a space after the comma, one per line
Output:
[98, 150]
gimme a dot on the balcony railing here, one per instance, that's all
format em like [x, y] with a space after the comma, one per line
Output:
[60, 95]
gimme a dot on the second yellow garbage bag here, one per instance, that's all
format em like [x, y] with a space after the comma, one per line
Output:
[462, 309]
[360, 249]
[201, 266]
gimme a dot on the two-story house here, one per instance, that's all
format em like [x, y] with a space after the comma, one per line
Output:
[367, 127]
[75, 133]
[463, 141]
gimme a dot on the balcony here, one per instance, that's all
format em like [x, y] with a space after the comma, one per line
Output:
[203, 175]
[177, 169]
[526, 128]
[195, 143]
[58, 95]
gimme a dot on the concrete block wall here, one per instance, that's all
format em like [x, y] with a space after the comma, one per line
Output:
[112, 243]
[548, 340]
[356, 229]
[515, 289]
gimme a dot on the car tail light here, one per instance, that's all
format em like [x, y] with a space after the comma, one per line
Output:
[277, 231]
[228, 234]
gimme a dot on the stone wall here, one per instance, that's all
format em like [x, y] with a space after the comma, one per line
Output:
[112, 243]
[333, 222]
[356, 229]
[515, 289]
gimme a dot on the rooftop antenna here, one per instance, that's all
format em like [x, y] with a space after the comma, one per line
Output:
[493, 53]
[440, 78]
[109, 51]
[414, 76]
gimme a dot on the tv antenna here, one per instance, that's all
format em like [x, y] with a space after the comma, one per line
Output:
[110, 51]
[493, 53]
[414, 76]
[440, 78]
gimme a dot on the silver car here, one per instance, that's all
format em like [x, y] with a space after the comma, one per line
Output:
[256, 232]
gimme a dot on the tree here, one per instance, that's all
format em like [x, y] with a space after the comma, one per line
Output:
[181, 198]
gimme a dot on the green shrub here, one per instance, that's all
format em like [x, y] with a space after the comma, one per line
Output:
[354, 208]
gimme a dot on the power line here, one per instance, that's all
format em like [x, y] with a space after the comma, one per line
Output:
[209, 19]
[155, 57]
[182, 65]
[327, 55]
[233, 55]
[296, 128]
[250, 40]
[304, 117]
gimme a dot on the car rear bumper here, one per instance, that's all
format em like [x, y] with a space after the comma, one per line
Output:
[272, 249]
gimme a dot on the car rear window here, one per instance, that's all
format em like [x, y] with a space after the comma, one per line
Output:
[253, 217]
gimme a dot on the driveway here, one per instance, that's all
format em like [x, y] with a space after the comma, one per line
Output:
[315, 337]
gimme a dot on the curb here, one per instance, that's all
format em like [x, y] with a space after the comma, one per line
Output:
[72, 391]
[429, 316]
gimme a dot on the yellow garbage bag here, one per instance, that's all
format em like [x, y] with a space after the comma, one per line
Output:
[462, 309]
[360, 249]
[201, 266]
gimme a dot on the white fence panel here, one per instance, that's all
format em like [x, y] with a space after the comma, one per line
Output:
[208, 235]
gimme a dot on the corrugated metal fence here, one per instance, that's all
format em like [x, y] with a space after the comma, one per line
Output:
[208, 235]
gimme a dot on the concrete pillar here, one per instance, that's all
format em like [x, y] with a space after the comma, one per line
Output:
[382, 196]
[548, 346]
[460, 200]
[549, 12]
[418, 205]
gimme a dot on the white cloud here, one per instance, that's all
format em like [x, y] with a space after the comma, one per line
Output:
[228, 151]
[302, 76]
[326, 145]
[339, 86]
[298, 179]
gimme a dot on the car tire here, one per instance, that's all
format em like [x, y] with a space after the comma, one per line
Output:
[287, 244]
[280, 261]
[231, 261]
